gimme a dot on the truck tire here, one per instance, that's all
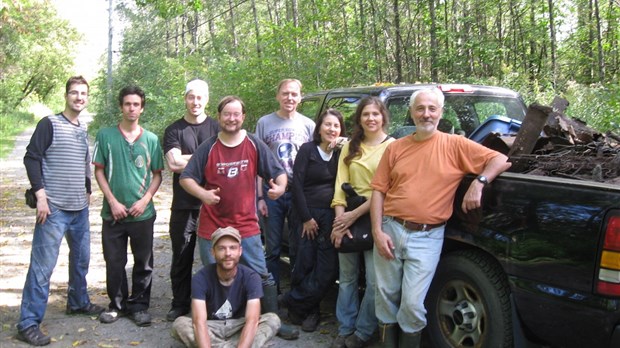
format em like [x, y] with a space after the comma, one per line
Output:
[469, 303]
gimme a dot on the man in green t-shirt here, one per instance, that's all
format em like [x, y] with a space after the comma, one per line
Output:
[128, 163]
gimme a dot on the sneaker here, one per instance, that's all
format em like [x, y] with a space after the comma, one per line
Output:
[339, 342]
[141, 318]
[174, 313]
[90, 309]
[33, 336]
[311, 322]
[354, 342]
[109, 316]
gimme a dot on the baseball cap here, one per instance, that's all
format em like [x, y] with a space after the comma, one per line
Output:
[198, 86]
[225, 232]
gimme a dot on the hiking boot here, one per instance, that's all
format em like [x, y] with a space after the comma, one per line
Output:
[141, 318]
[90, 309]
[33, 336]
[295, 318]
[174, 313]
[109, 316]
[282, 301]
[339, 342]
[288, 332]
[354, 342]
[311, 322]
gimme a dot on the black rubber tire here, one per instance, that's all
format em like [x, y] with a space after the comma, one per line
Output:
[469, 303]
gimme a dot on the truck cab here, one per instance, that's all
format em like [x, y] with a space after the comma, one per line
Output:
[466, 107]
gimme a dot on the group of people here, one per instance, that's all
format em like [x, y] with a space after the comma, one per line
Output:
[291, 169]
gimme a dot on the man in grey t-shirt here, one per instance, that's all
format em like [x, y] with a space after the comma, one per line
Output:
[284, 131]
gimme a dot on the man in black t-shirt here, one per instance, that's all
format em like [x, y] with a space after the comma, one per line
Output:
[226, 301]
[181, 139]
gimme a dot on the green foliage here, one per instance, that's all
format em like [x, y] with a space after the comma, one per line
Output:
[35, 52]
[11, 125]
[163, 83]
[597, 105]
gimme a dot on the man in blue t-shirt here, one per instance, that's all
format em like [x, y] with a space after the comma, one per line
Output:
[226, 301]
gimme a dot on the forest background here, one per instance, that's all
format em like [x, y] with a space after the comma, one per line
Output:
[540, 48]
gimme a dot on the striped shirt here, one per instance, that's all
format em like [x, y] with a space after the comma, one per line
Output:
[65, 163]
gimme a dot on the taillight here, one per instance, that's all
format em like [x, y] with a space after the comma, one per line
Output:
[609, 271]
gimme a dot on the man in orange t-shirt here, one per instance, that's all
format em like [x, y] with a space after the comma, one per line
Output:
[413, 193]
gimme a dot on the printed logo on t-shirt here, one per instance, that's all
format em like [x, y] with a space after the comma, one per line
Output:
[139, 161]
[232, 169]
[224, 312]
[286, 155]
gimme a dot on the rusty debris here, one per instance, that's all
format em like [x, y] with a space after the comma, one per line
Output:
[560, 147]
[596, 161]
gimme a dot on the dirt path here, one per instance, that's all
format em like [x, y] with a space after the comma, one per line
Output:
[16, 224]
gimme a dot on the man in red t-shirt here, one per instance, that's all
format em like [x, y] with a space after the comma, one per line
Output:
[222, 174]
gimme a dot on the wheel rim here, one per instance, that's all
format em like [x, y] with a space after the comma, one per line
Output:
[461, 314]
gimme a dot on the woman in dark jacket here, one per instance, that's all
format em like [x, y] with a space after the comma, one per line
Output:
[316, 267]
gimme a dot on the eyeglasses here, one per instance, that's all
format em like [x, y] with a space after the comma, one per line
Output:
[76, 93]
[231, 114]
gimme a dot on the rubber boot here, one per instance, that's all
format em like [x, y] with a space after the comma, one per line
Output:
[388, 333]
[269, 304]
[409, 340]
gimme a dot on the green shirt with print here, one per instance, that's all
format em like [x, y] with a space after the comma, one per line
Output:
[128, 167]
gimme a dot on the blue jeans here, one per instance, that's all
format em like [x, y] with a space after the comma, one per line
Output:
[75, 227]
[279, 210]
[416, 255]
[251, 256]
[353, 316]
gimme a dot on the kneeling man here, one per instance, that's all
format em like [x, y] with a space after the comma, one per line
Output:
[226, 301]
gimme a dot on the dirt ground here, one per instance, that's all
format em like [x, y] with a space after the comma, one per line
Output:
[16, 224]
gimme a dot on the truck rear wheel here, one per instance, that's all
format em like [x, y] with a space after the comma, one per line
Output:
[469, 303]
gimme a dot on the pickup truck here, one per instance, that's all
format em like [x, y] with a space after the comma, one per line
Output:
[538, 264]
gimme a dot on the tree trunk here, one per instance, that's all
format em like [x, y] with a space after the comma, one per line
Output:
[599, 44]
[553, 43]
[375, 42]
[397, 36]
[295, 10]
[613, 59]
[434, 46]
[532, 42]
[256, 30]
[235, 42]
[500, 40]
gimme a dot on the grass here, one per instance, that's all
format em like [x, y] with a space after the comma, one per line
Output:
[11, 125]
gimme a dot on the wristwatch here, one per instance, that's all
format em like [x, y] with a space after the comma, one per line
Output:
[482, 179]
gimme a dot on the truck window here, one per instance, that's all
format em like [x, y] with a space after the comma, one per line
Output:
[467, 112]
[309, 107]
[464, 112]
